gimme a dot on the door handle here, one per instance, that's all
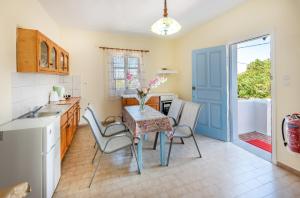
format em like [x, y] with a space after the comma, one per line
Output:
[193, 88]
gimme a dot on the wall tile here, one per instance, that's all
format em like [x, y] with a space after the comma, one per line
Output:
[30, 90]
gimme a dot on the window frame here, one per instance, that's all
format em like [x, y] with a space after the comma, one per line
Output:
[125, 69]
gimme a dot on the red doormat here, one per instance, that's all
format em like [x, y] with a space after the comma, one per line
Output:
[260, 144]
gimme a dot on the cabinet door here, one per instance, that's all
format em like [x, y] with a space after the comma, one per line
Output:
[78, 115]
[69, 131]
[53, 58]
[74, 124]
[61, 64]
[43, 54]
[67, 67]
[63, 140]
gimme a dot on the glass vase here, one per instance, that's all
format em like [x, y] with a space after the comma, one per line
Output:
[142, 104]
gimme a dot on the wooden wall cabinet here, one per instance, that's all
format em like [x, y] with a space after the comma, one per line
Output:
[37, 53]
[153, 102]
[69, 123]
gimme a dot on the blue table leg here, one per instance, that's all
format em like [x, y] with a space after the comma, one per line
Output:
[140, 153]
[162, 138]
[145, 137]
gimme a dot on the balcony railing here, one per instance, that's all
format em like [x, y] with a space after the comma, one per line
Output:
[254, 115]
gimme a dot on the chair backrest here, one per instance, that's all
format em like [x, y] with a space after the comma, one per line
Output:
[176, 109]
[88, 116]
[91, 109]
[189, 115]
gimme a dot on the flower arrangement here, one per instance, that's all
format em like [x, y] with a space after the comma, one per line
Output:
[142, 92]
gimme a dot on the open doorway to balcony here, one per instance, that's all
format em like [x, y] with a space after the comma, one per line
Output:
[250, 97]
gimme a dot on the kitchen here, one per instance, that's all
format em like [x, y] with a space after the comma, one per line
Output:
[46, 111]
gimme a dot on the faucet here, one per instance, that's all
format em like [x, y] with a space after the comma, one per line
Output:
[36, 109]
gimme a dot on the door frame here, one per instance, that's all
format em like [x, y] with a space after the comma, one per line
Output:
[272, 35]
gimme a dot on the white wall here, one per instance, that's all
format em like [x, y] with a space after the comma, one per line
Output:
[31, 90]
[251, 19]
[254, 115]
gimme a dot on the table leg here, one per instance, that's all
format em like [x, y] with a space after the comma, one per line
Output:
[162, 138]
[146, 137]
[140, 153]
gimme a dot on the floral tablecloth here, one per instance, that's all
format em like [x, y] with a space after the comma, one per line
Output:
[150, 120]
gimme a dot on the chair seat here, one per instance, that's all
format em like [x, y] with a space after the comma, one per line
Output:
[113, 129]
[115, 143]
[182, 132]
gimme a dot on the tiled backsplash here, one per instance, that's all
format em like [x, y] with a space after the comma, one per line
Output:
[30, 90]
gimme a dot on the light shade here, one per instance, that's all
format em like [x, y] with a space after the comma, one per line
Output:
[165, 26]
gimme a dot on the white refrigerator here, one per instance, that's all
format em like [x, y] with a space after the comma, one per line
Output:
[30, 152]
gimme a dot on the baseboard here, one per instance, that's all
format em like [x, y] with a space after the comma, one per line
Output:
[288, 168]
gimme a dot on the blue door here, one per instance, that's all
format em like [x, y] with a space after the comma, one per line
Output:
[210, 89]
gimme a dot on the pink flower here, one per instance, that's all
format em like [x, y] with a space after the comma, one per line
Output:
[129, 76]
[145, 90]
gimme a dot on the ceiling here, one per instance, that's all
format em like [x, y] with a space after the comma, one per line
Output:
[133, 16]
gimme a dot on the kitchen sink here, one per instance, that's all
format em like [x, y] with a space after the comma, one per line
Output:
[39, 114]
[46, 114]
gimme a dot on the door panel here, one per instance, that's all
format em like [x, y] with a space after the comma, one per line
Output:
[210, 89]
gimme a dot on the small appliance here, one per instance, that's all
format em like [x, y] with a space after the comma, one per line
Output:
[53, 96]
[60, 91]
[291, 132]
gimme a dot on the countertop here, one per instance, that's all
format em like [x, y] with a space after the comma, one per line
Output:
[30, 123]
[150, 94]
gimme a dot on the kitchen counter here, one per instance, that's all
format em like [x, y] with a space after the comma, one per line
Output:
[61, 106]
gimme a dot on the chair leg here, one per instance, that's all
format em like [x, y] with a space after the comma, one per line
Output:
[170, 148]
[95, 155]
[182, 142]
[197, 145]
[131, 151]
[137, 163]
[155, 141]
[95, 171]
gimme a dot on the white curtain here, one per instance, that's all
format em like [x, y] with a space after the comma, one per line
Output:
[118, 66]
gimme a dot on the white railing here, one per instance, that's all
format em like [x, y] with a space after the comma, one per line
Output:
[254, 115]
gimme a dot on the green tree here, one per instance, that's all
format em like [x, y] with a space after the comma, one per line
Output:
[255, 82]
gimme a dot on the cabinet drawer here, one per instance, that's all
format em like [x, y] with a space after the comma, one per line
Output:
[153, 100]
[132, 101]
[71, 112]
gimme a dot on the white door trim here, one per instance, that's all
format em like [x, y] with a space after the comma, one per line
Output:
[272, 34]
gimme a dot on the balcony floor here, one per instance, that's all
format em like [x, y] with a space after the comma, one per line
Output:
[257, 139]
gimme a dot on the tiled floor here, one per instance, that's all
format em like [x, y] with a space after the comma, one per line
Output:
[224, 171]
[255, 135]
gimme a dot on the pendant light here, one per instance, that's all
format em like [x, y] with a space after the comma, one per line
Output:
[166, 25]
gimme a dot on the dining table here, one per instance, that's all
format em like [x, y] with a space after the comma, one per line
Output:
[149, 120]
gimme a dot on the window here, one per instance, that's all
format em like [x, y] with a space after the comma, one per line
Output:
[121, 66]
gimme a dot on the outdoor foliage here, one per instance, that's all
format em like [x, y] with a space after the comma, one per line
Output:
[255, 82]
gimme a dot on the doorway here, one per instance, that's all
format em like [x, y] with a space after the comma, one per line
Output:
[250, 95]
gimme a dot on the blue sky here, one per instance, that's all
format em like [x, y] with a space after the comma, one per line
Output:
[251, 50]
